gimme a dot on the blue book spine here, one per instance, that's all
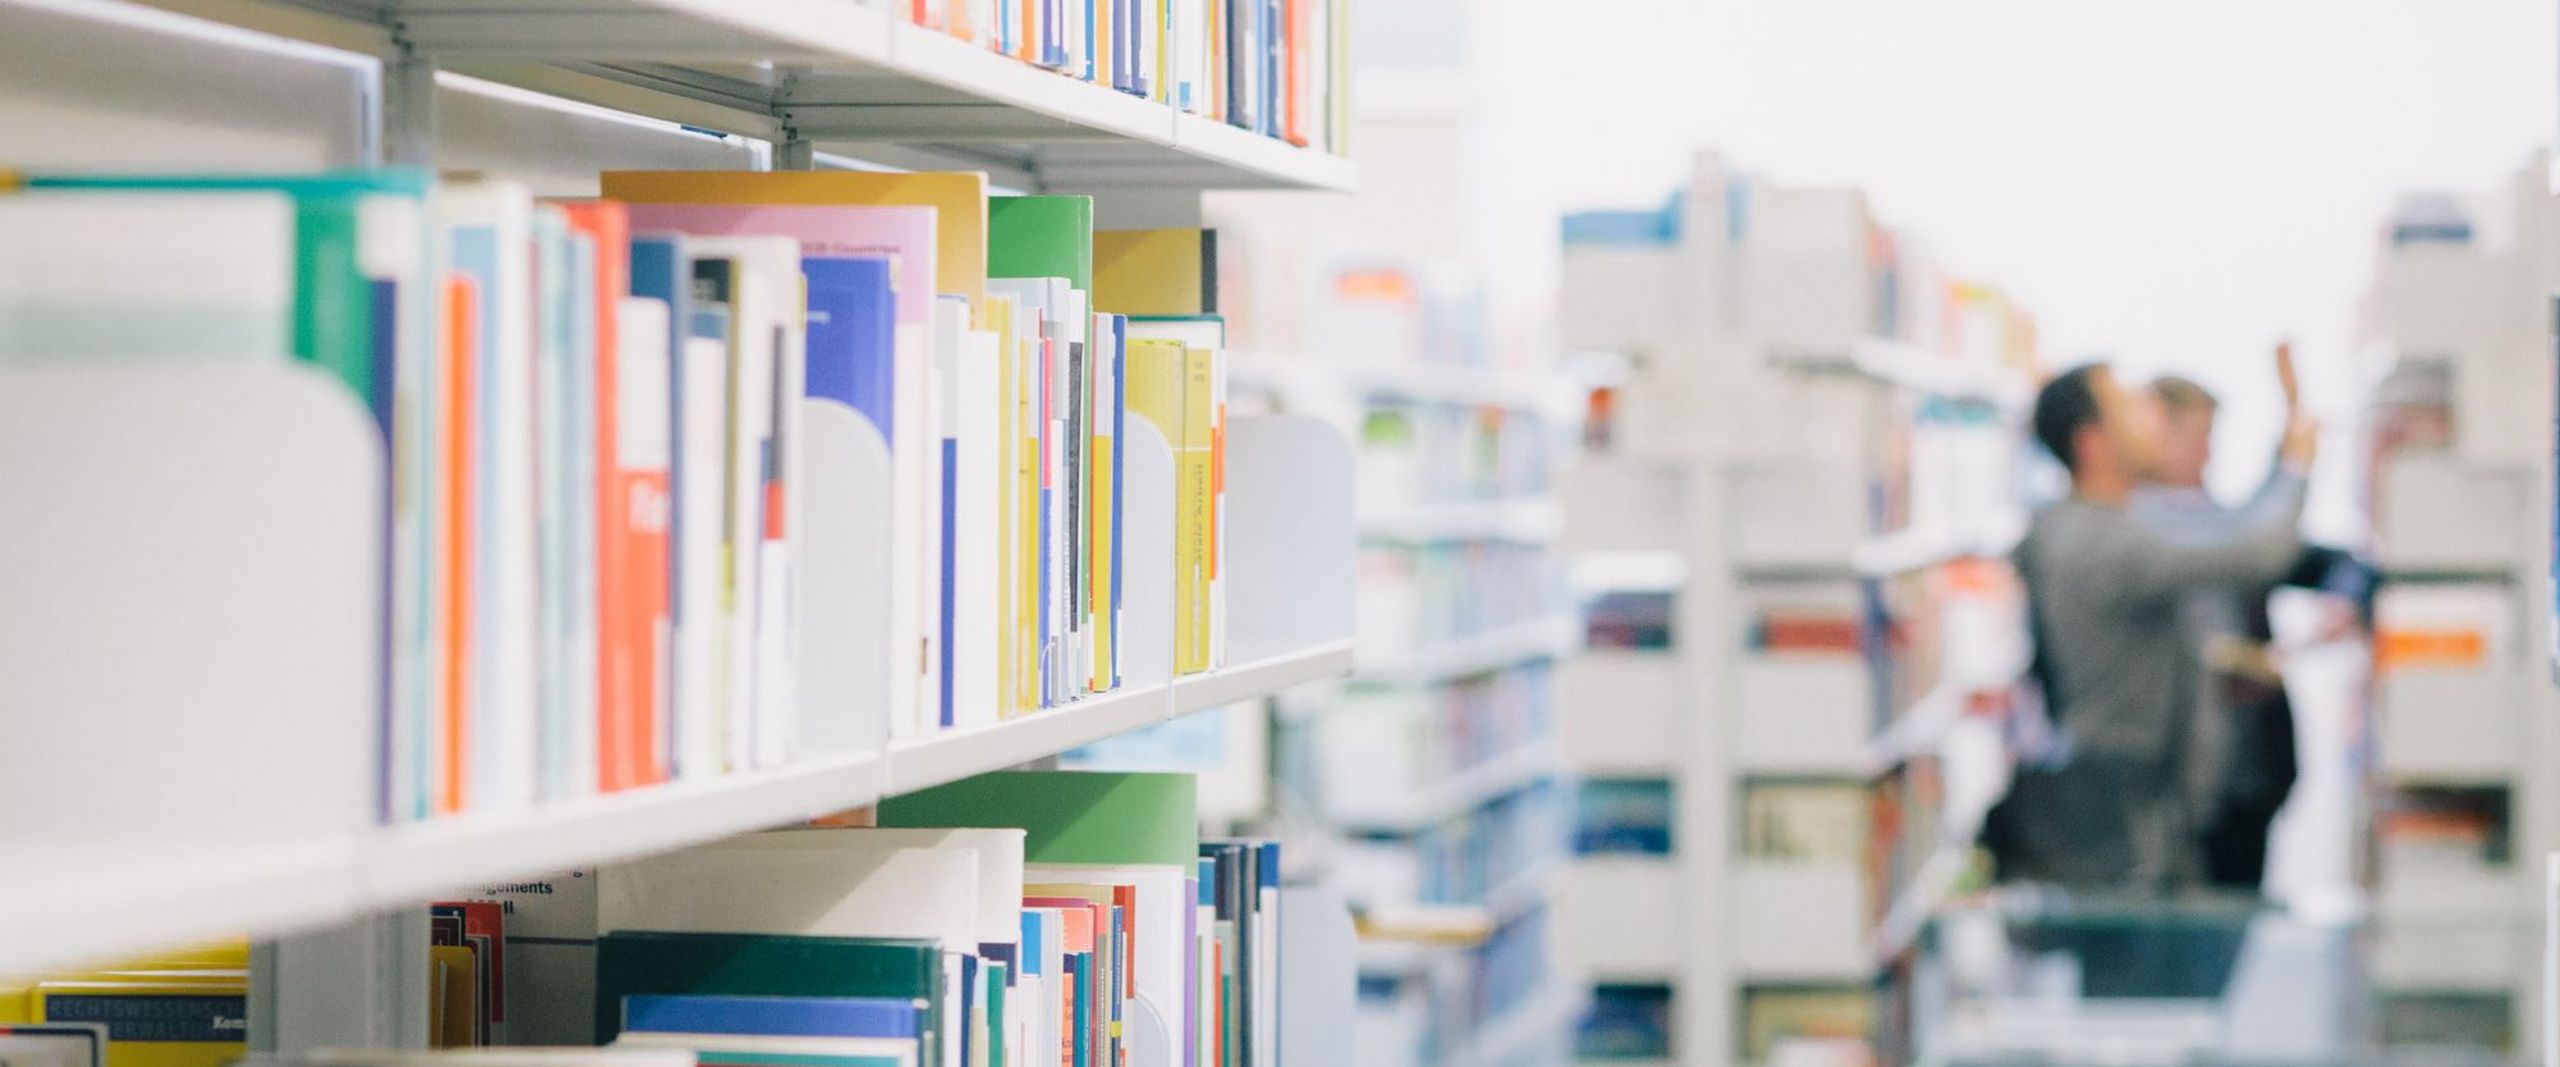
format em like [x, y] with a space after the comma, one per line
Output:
[1271, 68]
[950, 566]
[1239, 61]
[1033, 926]
[1079, 970]
[773, 1016]
[852, 338]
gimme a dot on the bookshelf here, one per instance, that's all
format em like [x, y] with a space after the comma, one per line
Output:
[841, 76]
[234, 776]
[1762, 462]
[2458, 791]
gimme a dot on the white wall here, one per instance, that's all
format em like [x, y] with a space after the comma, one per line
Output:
[2173, 182]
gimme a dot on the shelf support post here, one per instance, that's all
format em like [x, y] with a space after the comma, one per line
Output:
[795, 152]
[407, 110]
[362, 984]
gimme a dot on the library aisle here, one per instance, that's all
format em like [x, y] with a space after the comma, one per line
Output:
[1275, 533]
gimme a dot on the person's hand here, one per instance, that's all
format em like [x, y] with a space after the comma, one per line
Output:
[2286, 377]
[2301, 442]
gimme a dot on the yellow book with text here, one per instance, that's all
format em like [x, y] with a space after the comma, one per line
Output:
[1169, 385]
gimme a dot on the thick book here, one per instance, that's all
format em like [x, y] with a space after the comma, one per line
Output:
[661, 272]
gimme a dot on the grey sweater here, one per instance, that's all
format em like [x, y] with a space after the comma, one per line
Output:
[2124, 678]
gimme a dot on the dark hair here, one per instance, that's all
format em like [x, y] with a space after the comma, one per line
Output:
[2182, 395]
[2063, 406]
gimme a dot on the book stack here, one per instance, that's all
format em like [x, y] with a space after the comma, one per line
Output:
[1083, 919]
[1279, 68]
[596, 417]
[183, 1009]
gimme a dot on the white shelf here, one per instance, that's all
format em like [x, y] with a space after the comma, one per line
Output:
[1476, 387]
[1457, 794]
[100, 910]
[1526, 520]
[1919, 369]
[926, 761]
[418, 861]
[1521, 643]
[1548, 1014]
[1904, 551]
[1260, 676]
[851, 78]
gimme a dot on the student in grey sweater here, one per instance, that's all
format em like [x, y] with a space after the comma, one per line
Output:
[2109, 812]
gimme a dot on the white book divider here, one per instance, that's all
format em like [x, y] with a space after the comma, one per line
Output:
[928, 760]
[191, 671]
[844, 581]
[1292, 541]
[1319, 978]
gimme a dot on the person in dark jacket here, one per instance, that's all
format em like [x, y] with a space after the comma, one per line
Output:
[2105, 595]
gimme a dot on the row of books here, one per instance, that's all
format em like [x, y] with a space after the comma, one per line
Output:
[1805, 618]
[1379, 746]
[1277, 67]
[1626, 1021]
[1071, 907]
[1625, 817]
[594, 417]
[1438, 1017]
[1413, 597]
[1819, 823]
[1423, 453]
[1460, 861]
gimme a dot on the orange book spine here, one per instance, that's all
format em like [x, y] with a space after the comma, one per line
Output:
[624, 635]
[1293, 38]
[461, 351]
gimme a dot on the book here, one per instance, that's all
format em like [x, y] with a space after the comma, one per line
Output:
[1169, 385]
[866, 1029]
[959, 201]
[894, 388]
[661, 272]
[975, 514]
[1160, 272]
[477, 1057]
[634, 963]
[169, 1020]
[630, 538]
[488, 231]
[768, 372]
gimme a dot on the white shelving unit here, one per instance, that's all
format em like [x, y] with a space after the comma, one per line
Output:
[1747, 449]
[226, 673]
[841, 76]
[2464, 509]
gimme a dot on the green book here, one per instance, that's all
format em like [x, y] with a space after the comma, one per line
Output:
[1086, 817]
[336, 296]
[1041, 237]
[762, 965]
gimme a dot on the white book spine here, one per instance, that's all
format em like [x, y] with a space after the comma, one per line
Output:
[502, 773]
[701, 500]
[578, 775]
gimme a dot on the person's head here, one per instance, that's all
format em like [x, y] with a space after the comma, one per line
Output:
[2186, 431]
[2106, 436]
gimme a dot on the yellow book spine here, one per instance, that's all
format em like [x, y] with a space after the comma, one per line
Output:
[1099, 492]
[1026, 542]
[1195, 505]
[997, 315]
